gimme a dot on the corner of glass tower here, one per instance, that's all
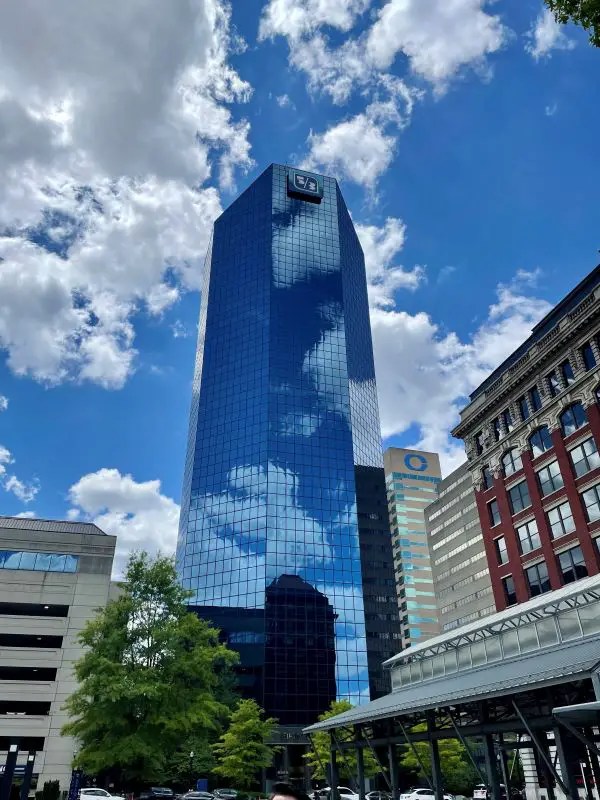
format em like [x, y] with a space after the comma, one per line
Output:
[284, 406]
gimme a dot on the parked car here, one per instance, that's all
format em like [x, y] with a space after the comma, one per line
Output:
[343, 791]
[196, 795]
[94, 791]
[378, 795]
[157, 793]
[422, 794]
[226, 794]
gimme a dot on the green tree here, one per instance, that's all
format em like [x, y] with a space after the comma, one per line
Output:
[318, 756]
[244, 748]
[151, 677]
[581, 12]
[458, 773]
[194, 759]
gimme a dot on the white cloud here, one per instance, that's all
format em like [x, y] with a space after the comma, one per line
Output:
[546, 35]
[295, 18]
[26, 515]
[139, 514]
[283, 101]
[3, 402]
[362, 147]
[109, 133]
[380, 246]
[439, 40]
[551, 110]
[424, 375]
[10, 483]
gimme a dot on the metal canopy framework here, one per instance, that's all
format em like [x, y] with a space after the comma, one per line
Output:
[572, 596]
[544, 700]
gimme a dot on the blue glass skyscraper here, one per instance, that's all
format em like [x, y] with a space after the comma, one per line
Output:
[284, 409]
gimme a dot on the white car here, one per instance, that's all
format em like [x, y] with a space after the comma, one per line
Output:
[422, 794]
[93, 792]
[343, 791]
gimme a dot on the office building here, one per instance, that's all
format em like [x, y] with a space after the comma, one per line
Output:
[412, 480]
[461, 578]
[284, 426]
[532, 432]
[53, 578]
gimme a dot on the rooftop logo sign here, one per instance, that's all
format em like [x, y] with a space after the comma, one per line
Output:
[305, 184]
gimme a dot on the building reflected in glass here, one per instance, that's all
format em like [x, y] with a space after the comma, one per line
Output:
[284, 407]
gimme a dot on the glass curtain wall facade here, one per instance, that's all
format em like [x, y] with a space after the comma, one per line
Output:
[284, 405]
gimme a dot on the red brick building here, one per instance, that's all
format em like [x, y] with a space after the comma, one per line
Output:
[532, 435]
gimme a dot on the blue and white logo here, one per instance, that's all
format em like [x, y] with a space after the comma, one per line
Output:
[305, 183]
[415, 462]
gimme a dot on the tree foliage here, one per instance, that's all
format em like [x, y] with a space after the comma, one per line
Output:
[318, 756]
[244, 748]
[458, 773]
[152, 676]
[581, 12]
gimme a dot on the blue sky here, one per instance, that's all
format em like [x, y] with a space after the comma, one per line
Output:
[464, 137]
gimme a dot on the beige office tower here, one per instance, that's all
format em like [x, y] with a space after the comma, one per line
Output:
[412, 480]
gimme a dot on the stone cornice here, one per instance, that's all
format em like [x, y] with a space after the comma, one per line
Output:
[539, 358]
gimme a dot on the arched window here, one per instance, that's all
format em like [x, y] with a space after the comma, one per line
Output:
[511, 462]
[572, 418]
[540, 441]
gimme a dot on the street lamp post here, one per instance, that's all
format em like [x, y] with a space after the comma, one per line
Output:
[192, 754]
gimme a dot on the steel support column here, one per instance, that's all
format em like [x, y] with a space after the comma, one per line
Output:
[360, 765]
[491, 766]
[504, 765]
[594, 762]
[393, 765]
[548, 774]
[436, 770]
[333, 771]
[563, 749]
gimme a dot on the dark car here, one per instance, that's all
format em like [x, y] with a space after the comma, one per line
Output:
[226, 794]
[157, 793]
[377, 795]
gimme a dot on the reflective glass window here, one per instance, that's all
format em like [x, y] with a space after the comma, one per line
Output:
[488, 477]
[553, 383]
[550, 478]
[572, 418]
[529, 538]
[540, 441]
[501, 551]
[585, 457]
[587, 353]
[519, 497]
[567, 372]
[569, 626]
[510, 593]
[591, 502]
[561, 520]
[511, 462]
[589, 617]
[494, 512]
[572, 564]
[523, 407]
[547, 633]
[535, 399]
[538, 579]
[527, 638]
